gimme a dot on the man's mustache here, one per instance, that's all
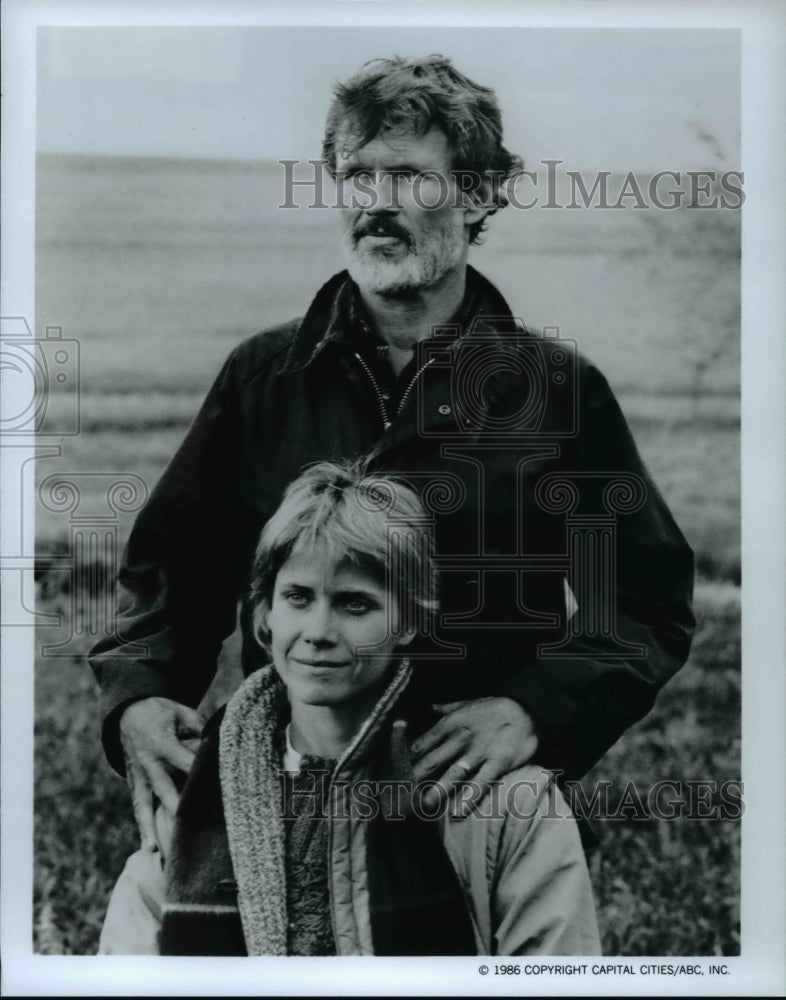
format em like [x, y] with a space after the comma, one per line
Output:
[381, 227]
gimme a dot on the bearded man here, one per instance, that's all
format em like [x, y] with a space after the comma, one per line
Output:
[412, 361]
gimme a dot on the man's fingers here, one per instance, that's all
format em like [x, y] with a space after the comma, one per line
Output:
[142, 799]
[164, 789]
[457, 772]
[446, 707]
[447, 729]
[428, 740]
[437, 762]
[465, 796]
[155, 726]
[149, 777]
[191, 743]
[473, 744]
[157, 739]
[178, 755]
[189, 722]
[460, 770]
[529, 749]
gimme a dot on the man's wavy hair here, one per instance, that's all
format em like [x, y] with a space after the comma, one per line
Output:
[338, 513]
[406, 95]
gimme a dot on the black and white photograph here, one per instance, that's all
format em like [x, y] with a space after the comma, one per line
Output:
[393, 536]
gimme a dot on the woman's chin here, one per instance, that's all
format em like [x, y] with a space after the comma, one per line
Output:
[315, 692]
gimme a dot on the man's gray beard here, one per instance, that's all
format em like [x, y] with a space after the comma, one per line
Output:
[418, 269]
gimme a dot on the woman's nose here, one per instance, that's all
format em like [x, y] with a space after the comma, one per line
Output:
[318, 625]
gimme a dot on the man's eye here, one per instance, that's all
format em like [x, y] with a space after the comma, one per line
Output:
[404, 174]
[359, 176]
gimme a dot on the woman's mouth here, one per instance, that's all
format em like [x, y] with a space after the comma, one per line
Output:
[318, 664]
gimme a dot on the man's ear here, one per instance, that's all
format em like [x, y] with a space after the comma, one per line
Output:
[472, 216]
[475, 197]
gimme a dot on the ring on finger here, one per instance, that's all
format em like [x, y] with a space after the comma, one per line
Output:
[464, 765]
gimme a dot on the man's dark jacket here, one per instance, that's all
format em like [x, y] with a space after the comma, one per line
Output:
[520, 452]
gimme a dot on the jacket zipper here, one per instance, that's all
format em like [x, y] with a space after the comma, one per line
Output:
[405, 396]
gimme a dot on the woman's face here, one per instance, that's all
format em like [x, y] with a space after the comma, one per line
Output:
[333, 632]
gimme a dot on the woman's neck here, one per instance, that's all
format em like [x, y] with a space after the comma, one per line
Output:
[325, 730]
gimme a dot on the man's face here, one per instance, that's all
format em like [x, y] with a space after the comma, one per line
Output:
[394, 243]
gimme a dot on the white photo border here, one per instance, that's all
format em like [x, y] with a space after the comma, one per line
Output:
[760, 968]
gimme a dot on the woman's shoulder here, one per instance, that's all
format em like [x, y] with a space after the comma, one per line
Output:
[521, 805]
[526, 793]
[531, 791]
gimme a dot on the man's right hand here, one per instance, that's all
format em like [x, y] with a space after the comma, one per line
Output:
[159, 737]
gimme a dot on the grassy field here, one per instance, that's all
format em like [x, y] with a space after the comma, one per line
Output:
[158, 268]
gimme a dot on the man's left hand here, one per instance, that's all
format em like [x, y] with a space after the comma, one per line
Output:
[475, 741]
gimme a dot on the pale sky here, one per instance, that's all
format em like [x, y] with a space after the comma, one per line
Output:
[619, 99]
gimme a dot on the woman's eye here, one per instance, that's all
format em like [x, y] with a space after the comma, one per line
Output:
[357, 606]
[296, 598]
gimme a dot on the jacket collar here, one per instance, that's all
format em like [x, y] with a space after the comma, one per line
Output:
[334, 318]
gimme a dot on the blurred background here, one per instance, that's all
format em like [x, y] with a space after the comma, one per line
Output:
[160, 245]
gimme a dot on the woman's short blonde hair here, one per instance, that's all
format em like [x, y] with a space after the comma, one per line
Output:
[373, 522]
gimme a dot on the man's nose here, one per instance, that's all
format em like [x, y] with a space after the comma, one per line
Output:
[385, 197]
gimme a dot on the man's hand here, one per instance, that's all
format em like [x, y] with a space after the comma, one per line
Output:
[479, 740]
[156, 733]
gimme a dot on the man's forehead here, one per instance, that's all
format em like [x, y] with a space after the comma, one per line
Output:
[429, 145]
